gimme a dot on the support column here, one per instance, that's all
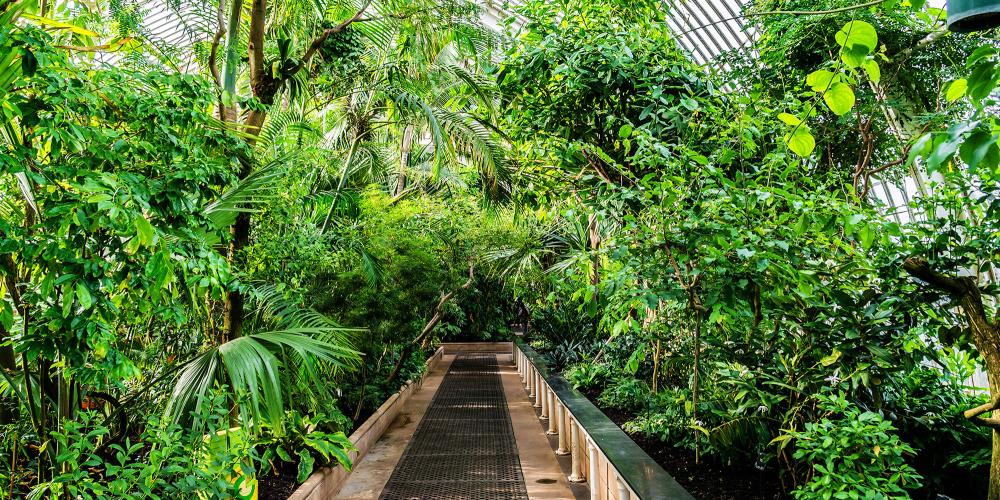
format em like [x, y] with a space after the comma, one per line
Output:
[623, 491]
[564, 430]
[577, 471]
[594, 480]
[530, 383]
[553, 414]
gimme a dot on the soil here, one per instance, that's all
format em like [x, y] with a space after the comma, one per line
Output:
[279, 484]
[708, 479]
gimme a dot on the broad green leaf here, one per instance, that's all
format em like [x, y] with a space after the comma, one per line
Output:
[306, 463]
[980, 53]
[854, 56]
[980, 149]
[625, 131]
[820, 80]
[956, 90]
[982, 80]
[789, 119]
[801, 142]
[840, 98]
[144, 230]
[83, 295]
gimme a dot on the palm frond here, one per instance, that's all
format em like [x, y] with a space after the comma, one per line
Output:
[248, 195]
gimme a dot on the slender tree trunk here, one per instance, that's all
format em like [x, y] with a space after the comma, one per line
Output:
[656, 368]
[595, 245]
[694, 382]
[404, 159]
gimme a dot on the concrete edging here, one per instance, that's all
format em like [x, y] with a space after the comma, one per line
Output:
[326, 482]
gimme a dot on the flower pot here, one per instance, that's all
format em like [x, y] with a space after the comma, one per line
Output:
[965, 16]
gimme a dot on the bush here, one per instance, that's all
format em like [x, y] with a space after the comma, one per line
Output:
[626, 393]
[166, 461]
[669, 422]
[855, 456]
[588, 375]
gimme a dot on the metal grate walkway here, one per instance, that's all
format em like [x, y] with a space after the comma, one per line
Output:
[463, 448]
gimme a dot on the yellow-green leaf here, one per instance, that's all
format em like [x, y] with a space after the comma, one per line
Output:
[840, 98]
[832, 358]
[820, 80]
[789, 119]
[857, 34]
[801, 142]
[956, 90]
[83, 295]
[52, 23]
[873, 70]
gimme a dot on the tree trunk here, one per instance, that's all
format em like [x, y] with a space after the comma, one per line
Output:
[986, 337]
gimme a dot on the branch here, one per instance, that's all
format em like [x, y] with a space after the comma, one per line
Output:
[993, 404]
[871, 3]
[919, 268]
[318, 42]
[993, 423]
[216, 39]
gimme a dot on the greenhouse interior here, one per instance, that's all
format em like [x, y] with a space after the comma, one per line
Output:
[500, 250]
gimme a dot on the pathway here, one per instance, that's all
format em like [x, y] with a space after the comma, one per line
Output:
[470, 432]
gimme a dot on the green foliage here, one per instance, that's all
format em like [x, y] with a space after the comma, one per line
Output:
[626, 393]
[588, 375]
[311, 441]
[855, 455]
[164, 461]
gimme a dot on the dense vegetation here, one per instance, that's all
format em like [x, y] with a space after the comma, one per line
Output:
[218, 257]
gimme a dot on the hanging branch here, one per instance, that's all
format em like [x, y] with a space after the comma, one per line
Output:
[435, 319]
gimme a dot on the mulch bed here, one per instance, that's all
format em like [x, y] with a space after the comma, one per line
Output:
[709, 479]
[278, 486]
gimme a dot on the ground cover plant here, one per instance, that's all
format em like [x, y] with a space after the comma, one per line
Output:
[228, 237]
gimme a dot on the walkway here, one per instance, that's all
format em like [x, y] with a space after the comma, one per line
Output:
[468, 433]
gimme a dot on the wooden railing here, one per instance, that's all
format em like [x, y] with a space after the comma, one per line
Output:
[603, 456]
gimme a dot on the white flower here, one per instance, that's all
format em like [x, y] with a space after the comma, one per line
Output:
[762, 409]
[699, 423]
[833, 379]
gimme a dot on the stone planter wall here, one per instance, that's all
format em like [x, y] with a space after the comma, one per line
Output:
[503, 350]
[326, 482]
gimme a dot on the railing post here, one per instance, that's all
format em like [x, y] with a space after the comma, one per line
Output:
[594, 480]
[538, 389]
[530, 383]
[553, 414]
[546, 400]
[564, 430]
[577, 470]
[623, 492]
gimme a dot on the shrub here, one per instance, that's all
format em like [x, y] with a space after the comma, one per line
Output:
[588, 375]
[626, 393]
[855, 456]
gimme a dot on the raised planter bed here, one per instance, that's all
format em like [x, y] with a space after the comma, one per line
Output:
[612, 464]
